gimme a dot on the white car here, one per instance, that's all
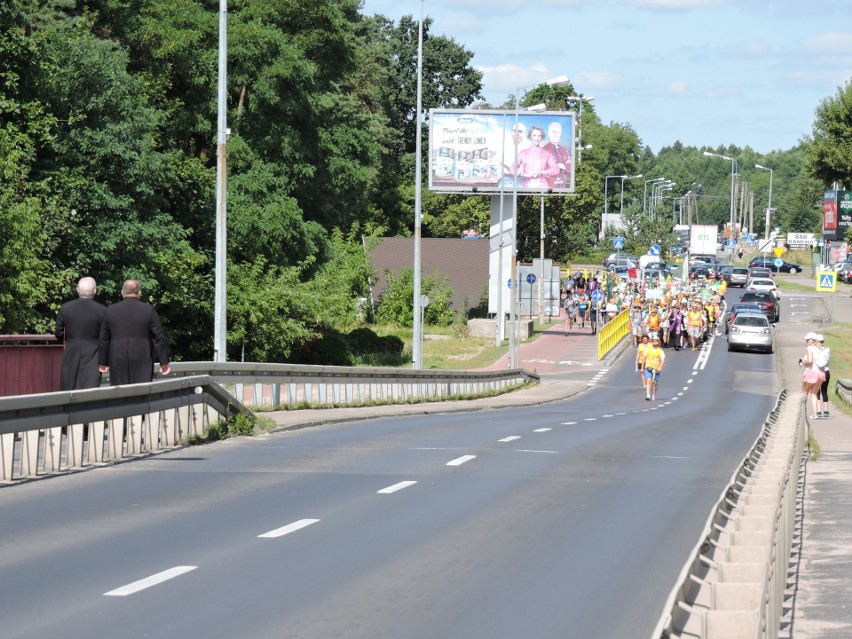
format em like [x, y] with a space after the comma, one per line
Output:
[764, 284]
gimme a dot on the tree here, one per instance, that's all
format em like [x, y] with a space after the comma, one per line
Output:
[829, 152]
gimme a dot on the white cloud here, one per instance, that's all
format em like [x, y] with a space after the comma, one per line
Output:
[596, 80]
[507, 78]
[834, 43]
[679, 87]
[678, 5]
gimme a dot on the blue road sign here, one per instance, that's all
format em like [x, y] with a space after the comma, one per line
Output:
[618, 243]
[597, 296]
[654, 249]
[779, 262]
[731, 243]
[530, 278]
[509, 283]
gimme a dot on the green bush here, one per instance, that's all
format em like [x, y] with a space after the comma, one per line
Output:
[331, 349]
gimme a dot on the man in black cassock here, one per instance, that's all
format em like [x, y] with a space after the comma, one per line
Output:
[131, 337]
[79, 326]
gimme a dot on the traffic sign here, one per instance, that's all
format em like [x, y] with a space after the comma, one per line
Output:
[779, 251]
[597, 296]
[764, 245]
[731, 243]
[618, 243]
[826, 281]
[509, 283]
[778, 262]
[654, 249]
[530, 278]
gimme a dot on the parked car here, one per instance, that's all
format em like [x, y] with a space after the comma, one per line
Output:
[751, 330]
[786, 267]
[764, 284]
[737, 308]
[620, 259]
[738, 276]
[759, 271]
[845, 273]
[771, 307]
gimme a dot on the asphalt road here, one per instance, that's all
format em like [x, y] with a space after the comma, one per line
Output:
[572, 519]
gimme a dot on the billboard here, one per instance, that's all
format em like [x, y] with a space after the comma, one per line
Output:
[484, 152]
[837, 214]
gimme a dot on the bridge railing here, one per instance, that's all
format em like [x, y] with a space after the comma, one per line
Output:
[293, 385]
[50, 432]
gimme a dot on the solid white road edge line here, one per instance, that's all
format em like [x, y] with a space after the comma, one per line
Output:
[289, 528]
[510, 438]
[153, 580]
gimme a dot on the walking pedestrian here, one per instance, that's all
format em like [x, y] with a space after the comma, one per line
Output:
[79, 326]
[655, 357]
[823, 358]
[131, 334]
[812, 376]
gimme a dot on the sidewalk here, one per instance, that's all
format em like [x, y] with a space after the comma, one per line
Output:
[821, 581]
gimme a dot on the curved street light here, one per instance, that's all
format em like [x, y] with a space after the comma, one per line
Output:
[733, 171]
[769, 205]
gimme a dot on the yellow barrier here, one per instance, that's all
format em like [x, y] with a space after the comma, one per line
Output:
[612, 332]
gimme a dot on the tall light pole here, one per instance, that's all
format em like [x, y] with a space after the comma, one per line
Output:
[658, 187]
[606, 201]
[769, 205]
[625, 177]
[733, 170]
[645, 192]
[220, 302]
[580, 99]
[417, 345]
[559, 81]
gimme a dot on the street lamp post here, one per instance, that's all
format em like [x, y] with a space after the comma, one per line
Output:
[733, 171]
[625, 177]
[417, 338]
[606, 201]
[658, 187]
[645, 192]
[580, 99]
[220, 301]
[769, 205]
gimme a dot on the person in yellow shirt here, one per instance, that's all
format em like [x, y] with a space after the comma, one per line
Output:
[723, 288]
[641, 352]
[695, 324]
[652, 322]
[654, 360]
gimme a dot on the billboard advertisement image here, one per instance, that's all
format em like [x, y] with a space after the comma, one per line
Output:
[485, 152]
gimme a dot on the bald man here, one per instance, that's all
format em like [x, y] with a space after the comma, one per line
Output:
[131, 337]
[79, 326]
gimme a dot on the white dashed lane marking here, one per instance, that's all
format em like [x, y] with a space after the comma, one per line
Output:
[458, 461]
[396, 487]
[148, 582]
[289, 528]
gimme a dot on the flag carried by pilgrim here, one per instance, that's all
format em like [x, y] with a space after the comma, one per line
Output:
[631, 270]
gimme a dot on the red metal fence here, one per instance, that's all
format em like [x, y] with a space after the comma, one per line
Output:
[29, 364]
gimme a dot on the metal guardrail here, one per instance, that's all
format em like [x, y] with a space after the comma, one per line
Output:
[612, 332]
[291, 385]
[843, 388]
[733, 585]
[50, 432]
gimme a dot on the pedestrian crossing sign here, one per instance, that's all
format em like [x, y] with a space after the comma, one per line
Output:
[826, 281]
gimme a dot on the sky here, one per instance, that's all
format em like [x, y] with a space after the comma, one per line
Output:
[703, 72]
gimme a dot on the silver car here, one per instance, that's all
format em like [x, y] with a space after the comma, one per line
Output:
[738, 277]
[751, 330]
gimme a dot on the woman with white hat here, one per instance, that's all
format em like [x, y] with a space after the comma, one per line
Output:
[812, 377]
[822, 360]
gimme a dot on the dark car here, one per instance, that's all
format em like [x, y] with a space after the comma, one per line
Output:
[844, 274]
[700, 272]
[768, 304]
[786, 267]
[758, 271]
[740, 307]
